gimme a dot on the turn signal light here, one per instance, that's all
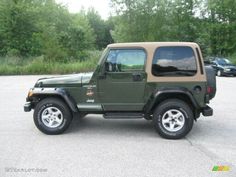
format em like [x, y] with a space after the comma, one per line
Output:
[30, 93]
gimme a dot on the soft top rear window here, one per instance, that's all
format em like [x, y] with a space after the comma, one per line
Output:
[174, 61]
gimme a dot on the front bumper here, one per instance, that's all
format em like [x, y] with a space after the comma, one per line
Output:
[28, 107]
[229, 73]
[207, 111]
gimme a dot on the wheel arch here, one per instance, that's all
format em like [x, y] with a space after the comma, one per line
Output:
[38, 94]
[173, 93]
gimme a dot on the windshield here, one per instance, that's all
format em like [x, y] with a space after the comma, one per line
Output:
[223, 61]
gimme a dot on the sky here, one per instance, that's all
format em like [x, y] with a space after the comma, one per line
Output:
[102, 6]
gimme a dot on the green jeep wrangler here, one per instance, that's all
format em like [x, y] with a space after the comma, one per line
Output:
[166, 82]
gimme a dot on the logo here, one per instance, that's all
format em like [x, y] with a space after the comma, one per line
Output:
[89, 93]
[220, 168]
[90, 101]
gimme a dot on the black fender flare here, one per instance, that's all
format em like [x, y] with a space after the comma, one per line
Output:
[165, 91]
[46, 92]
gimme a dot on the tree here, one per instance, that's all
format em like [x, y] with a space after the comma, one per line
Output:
[100, 27]
[211, 23]
[17, 26]
[222, 18]
[42, 27]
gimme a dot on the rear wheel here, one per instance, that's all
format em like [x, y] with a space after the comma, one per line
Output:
[173, 119]
[52, 116]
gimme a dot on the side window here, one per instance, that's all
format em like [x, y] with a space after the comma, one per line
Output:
[125, 60]
[174, 61]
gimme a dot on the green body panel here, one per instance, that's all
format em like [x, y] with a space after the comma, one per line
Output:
[198, 96]
[73, 80]
[118, 91]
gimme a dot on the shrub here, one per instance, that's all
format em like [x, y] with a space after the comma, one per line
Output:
[39, 65]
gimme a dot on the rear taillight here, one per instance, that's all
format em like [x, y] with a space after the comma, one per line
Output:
[210, 90]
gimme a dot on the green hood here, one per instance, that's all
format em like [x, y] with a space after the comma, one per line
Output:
[67, 80]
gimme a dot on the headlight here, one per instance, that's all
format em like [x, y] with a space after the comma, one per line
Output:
[227, 69]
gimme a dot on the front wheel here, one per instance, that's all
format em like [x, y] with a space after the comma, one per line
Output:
[52, 116]
[173, 119]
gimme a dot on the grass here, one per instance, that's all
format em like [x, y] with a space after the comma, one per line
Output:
[38, 65]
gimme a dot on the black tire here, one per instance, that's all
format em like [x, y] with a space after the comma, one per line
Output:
[186, 117]
[65, 116]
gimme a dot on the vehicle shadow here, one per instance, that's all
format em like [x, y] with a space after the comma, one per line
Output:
[96, 124]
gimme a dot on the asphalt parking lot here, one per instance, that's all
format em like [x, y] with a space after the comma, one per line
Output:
[95, 147]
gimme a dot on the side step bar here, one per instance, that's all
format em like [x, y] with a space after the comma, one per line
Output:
[123, 115]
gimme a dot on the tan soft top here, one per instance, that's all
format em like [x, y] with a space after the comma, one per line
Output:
[150, 47]
[152, 44]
